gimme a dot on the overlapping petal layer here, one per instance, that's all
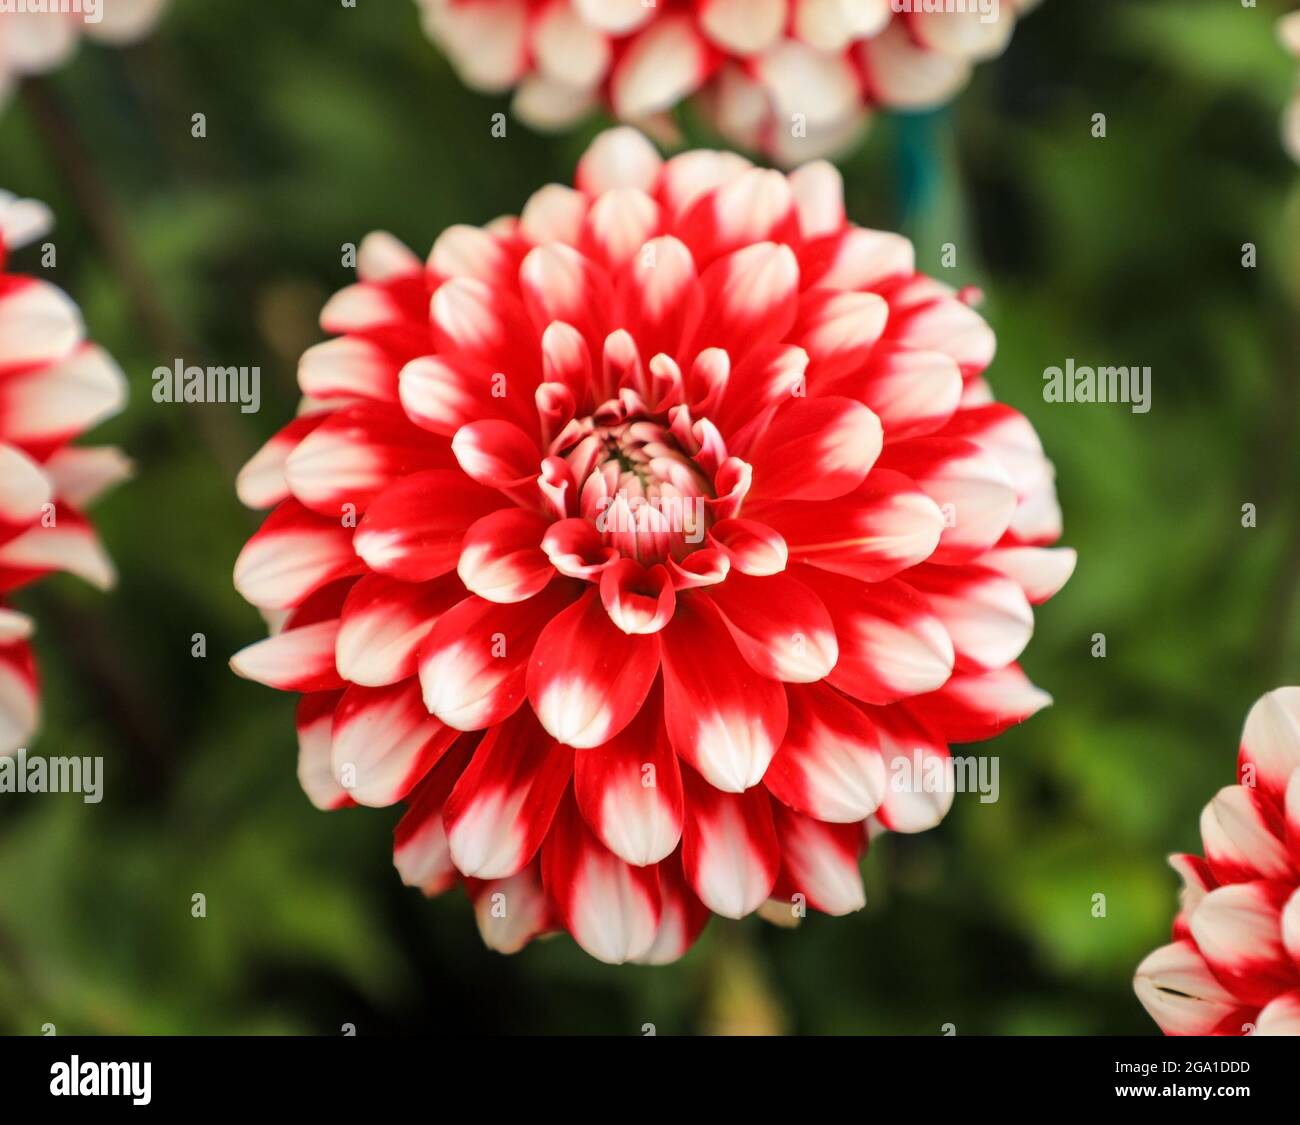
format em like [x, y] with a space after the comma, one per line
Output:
[1234, 965]
[634, 540]
[54, 386]
[795, 78]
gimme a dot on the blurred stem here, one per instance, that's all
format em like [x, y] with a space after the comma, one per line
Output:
[166, 336]
[740, 999]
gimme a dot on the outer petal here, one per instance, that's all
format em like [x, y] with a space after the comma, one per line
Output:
[829, 765]
[723, 717]
[729, 847]
[630, 790]
[611, 908]
[1180, 993]
[820, 862]
[385, 741]
[502, 806]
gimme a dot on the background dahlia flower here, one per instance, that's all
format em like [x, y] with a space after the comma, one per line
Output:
[632, 541]
[34, 42]
[760, 65]
[53, 387]
[1234, 965]
[1289, 32]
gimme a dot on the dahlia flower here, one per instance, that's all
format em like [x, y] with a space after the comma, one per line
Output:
[791, 77]
[53, 387]
[1289, 32]
[633, 540]
[34, 41]
[1233, 967]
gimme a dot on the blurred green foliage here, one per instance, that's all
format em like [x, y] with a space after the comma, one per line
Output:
[325, 122]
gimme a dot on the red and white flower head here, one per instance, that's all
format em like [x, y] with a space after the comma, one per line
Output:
[1289, 32]
[632, 540]
[792, 77]
[1234, 965]
[53, 387]
[33, 42]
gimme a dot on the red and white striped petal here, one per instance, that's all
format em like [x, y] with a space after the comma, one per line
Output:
[638, 599]
[1238, 931]
[1180, 993]
[618, 158]
[24, 487]
[383, 624]
[1271, 740]
[62, 400]
[920, 788]
[750, 300]
[815, 449]
[487, 39]
[414, 528]
[753, 548]
[681, 915]
[630, 790]
[881, 528]
[1242, 837]
[928, 318]
[349, 367]
[820, 862]
[587, 678]
[502, 806]
[818, 191]
[68, 544]
[829, 765]
[14, 626]
[1039, 571]
[82, 474]
[442, 393]
[315, 723]
[39, 323]
[973, 706]
[730, 852]
[19, 698]
[501, 558]
[511, 912]
[474, 661]
[299, 659]
[856, 258]
[384, 741]
[743, 27]
[780, 626]
[356, 453]
[295, 553]
[987, 616]
[839, 330]
[611, 908]
[420, 851]
[1197, 883]
[660, 67]
[970, 486]
[660, 296]
[262, 482]
[913, 393]
[723, 718]
[1281, 1016]
[891, 645]
[383, 257]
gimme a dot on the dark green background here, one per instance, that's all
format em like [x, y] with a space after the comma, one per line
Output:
[324, 123]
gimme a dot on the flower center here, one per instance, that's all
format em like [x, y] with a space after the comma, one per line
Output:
[646, 496]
